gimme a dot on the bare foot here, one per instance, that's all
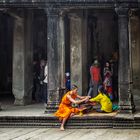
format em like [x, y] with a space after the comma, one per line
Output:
[72, 114]
[82, 109]
[62, 128]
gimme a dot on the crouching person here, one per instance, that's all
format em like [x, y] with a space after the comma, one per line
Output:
[65, 109]
[103, 100]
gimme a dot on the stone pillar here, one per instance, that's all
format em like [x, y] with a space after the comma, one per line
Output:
[55, 50]
[84, 57]
[78, 50]
[22, 60]
[126, 103]
[62, 49]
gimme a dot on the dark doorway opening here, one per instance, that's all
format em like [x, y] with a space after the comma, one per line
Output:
[6, 54]
[39, 52]
[103, 43]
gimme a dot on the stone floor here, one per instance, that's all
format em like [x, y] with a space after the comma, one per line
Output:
[68, 134]
[34, 109]
[37, 109]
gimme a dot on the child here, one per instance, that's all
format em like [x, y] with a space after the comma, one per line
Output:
[67, 81]
[103, 100]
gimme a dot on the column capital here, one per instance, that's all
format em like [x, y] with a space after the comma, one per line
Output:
[55, 12]
[51, 11]
[122, 11]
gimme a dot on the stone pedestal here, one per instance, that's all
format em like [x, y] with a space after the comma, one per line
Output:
[22, 60]
[55, 56]
[126, 102]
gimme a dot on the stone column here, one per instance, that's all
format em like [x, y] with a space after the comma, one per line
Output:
[78, 51]
[55, 50]
[22, 60]
[84, 56]
[62, 49]
[126, 103]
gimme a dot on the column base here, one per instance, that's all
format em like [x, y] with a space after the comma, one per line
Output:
[23, 101]
[54, 98]
[127, 109]
[22, 97]
[51, 107]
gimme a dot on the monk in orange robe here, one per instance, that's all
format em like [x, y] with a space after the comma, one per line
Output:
[65, 109]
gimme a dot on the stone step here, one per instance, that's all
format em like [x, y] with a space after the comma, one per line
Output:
[74, 122]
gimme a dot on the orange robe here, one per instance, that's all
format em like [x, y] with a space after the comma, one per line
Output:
[65, 109]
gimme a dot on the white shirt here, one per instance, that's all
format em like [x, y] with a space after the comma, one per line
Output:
[46, 74]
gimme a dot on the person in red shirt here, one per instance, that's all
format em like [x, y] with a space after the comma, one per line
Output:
[95, 78]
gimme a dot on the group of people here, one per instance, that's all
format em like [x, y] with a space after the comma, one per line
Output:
[66, 110]
[40, 81]
[97, 79]
[100, 91]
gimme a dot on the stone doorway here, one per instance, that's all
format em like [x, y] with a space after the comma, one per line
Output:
[90, 34]
[6, 56]
[39, 49]
[23, 37]
[103, 43]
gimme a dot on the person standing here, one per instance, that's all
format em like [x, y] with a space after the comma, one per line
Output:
[36, 84]
[95, 79]
[107, 83]
[41, 81]
[45, 83]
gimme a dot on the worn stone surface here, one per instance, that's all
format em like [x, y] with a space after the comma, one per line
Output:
[56, 134]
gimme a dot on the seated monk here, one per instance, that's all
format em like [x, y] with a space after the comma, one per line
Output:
[65, 109]
[103, 100]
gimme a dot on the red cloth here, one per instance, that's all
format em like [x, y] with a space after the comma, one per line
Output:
[95, 73]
